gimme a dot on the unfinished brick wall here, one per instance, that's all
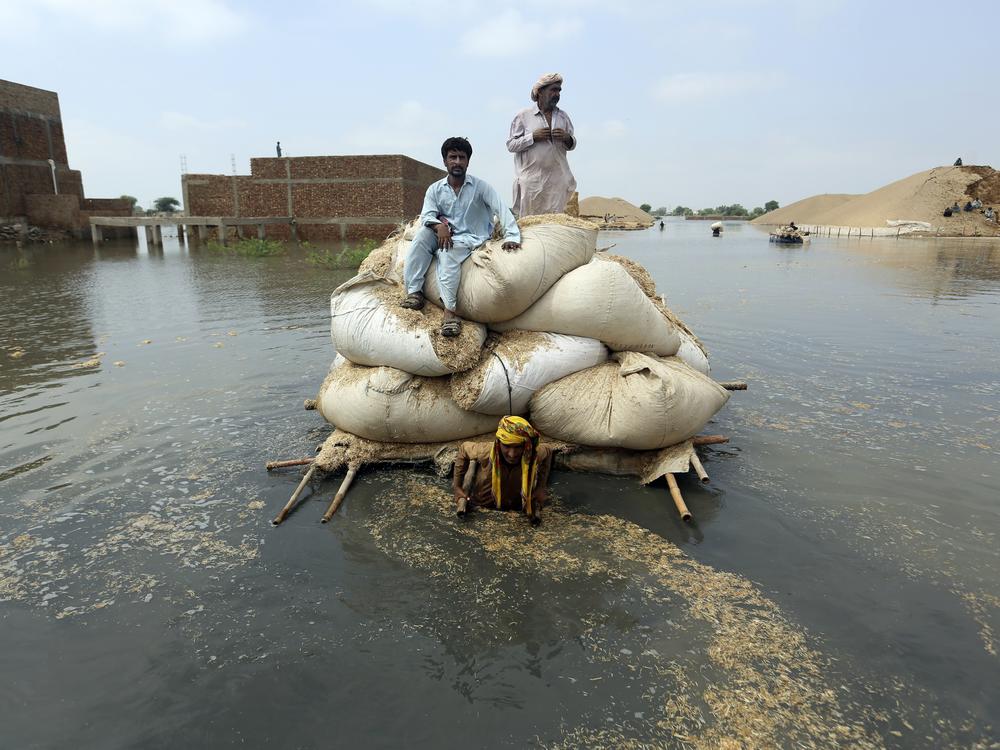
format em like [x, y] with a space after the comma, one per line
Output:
[53, 211]
[31, 133]
[372, 194]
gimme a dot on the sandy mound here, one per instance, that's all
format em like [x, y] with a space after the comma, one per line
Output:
[919, 197]
[807, 207]
[596, 207]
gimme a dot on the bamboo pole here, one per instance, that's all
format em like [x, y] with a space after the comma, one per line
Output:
[697, 466]
[291, 462]
[709, 439]
[352, 472]
[462, 506]
[295, 496]
[733, 385]
[675, 493]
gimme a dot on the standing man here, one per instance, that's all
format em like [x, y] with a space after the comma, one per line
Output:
[540, 137]
[456, 219]
[513, 471]
[277, 148]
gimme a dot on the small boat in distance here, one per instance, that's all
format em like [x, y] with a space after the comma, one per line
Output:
[789, 235]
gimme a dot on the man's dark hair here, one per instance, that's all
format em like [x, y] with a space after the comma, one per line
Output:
[456, 144]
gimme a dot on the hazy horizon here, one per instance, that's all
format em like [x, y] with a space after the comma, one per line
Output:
[672, 105]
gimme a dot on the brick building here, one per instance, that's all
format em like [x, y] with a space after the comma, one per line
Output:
[31, 134]
[354, 196]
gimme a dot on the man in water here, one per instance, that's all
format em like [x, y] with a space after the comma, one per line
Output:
[513, 472]
[456, 219]
[540, 138]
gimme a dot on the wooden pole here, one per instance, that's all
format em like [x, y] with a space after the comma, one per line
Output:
[285, 464]
[462, 506]
[341, 494]
[698, 468]
[295, 496]
[709, 439]
[675, 493]
[733, 385]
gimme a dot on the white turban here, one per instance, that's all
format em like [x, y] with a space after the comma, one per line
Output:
[545, 80]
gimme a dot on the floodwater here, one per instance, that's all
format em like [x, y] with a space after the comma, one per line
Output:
[839, 587]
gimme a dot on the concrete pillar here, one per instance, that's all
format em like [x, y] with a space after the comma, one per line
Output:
[157, 234]
[95, 234]
[180, 233]
[202, 232]
[260, 232]
[149, 235]
[222, 234]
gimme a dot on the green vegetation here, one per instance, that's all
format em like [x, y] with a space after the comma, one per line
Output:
[349, 257]
[646, 207]
[248, 248]
[733, 210]
[132, 201]
[166, 205]
[661, 211]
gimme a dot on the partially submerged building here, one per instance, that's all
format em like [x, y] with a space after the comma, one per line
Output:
[37, 186]
[323, 197]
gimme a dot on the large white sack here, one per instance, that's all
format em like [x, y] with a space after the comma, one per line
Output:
[634, 401]
[498, 284]
[519, 363]
[392, 406]
[692, 353]
[601, 301]
[369, 327]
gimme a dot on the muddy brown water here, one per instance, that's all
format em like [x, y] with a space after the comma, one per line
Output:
[839, 586]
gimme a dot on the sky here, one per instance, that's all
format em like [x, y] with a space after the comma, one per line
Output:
[674, 103]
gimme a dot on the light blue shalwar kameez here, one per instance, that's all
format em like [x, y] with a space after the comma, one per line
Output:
[470, 214]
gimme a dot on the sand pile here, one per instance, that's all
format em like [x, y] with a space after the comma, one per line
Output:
[597, 208]
[919, 197]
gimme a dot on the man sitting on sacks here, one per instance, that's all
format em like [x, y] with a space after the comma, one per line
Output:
[513, 472]
[456, 219]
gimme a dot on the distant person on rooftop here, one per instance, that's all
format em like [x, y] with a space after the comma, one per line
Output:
[540, 137]
[958, 162]
[948, 212]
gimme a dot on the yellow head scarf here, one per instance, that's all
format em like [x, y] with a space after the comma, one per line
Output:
[515, 431]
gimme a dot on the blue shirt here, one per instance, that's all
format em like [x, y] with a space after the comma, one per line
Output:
[470, 212]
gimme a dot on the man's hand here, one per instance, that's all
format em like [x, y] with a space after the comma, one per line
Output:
[444, 236]
[511, 246]
[558, 134]
[461, 503]
[541, 134]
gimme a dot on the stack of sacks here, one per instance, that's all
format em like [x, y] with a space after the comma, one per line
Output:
[394, 384]
[554, 310]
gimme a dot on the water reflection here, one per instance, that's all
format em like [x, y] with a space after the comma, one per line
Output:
[858, 493]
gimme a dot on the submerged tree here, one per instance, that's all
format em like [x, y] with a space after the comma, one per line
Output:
[166, 204]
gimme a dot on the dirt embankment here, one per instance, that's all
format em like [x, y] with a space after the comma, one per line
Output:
[921, 197]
